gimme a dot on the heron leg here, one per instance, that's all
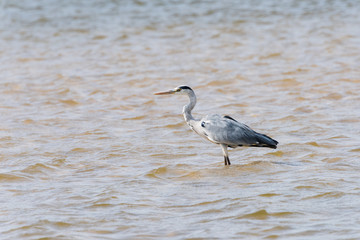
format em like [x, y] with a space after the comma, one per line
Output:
[226, 155]
[228, 161]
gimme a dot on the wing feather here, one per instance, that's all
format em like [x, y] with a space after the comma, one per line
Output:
[226, 130]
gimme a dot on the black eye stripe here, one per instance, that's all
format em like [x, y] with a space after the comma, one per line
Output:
[203, 124]
[185, 87]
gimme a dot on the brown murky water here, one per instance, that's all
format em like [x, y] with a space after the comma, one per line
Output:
[88, 152]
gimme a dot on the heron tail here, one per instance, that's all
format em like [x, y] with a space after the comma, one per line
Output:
[265, 141]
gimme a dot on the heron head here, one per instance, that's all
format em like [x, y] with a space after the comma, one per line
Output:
[177, 90]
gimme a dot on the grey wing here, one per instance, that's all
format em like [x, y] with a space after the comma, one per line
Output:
[226, 130]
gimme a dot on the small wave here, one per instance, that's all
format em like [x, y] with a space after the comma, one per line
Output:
[180, 173]
[69, 102]
[37, 168]
[139, 117]
[269, 195]
[355, 150]
[263, 214]
[172, 156]
[102, 205]
[285, 83]
[6, 177]
[335, 194]
[277, 153]
[80, 150]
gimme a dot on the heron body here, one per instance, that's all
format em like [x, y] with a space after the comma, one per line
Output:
[222, 130]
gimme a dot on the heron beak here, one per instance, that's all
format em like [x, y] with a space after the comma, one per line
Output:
[163, 93]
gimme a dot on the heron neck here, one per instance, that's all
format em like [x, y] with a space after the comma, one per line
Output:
[188, 108]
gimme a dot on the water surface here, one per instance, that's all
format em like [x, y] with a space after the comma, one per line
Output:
[88, 152]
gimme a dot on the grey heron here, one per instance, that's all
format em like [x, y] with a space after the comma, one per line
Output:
[222, 130]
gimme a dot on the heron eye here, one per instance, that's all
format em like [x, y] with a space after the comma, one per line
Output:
[203, 124]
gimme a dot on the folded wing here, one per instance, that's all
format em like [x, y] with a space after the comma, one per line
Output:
[226, 130]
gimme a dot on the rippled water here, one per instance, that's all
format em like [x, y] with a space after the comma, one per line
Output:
[88, 152]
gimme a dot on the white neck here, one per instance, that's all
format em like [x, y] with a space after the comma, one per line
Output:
[188, 108]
